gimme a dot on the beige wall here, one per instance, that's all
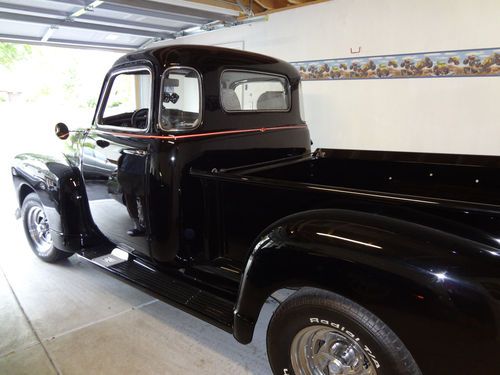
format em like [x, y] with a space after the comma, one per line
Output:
[450, 115]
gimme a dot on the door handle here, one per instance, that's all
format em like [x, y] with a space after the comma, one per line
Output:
[135, 152]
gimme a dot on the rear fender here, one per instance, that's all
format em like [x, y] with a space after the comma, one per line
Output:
[426, 285]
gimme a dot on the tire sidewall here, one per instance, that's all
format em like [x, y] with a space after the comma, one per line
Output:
[281, 335]
[32, 200]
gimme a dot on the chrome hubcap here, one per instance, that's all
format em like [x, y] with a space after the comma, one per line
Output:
[38, 227]
[320, 350]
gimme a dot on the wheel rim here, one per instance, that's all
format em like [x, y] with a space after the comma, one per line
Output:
[320, 350]
[38, 227]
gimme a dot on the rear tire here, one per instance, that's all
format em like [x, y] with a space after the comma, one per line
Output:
[319, 332]
[36, 228]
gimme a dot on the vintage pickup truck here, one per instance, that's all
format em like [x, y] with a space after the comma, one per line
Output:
[196, 182]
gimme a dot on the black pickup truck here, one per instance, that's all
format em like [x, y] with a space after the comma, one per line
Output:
[196, 182]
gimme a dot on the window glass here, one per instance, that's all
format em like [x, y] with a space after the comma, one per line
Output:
[129, 100]
[250, 92]
[180, 103]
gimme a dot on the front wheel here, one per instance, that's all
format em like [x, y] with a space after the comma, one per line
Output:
[316, 332]
[36, 228]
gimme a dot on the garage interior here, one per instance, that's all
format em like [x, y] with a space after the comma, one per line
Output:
[72, 318]
[124, 25]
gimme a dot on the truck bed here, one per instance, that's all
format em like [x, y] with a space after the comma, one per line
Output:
[417, 176]
[458, 194]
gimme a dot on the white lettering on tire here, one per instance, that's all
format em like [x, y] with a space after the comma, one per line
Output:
[347, 332]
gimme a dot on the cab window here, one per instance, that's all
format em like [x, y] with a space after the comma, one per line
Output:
[128, 100]
[180, 107]
[242, 91]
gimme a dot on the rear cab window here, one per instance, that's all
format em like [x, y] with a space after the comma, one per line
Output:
[127, 100]
[245, 91]
[180, 107]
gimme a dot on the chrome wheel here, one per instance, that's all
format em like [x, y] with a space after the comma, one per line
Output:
[38, 227]
[320, 350]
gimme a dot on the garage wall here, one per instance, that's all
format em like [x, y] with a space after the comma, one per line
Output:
[449, 115]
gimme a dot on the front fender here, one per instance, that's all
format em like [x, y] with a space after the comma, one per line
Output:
[59, 186]
[438, 292]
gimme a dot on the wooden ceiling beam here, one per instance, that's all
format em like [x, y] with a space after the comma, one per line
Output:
[293, 6]
[272, 4]
[259, 7]
[297, 2]
[256, 8]
[233, 5]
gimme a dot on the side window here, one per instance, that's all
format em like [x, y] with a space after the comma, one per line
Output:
[242, 91]
[128, 100]
[180, 107]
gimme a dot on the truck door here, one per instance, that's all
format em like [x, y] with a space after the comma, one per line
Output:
[115, 159]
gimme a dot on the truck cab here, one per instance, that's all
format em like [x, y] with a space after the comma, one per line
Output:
[163, 113]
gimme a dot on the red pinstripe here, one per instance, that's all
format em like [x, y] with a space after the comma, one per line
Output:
[225, 132]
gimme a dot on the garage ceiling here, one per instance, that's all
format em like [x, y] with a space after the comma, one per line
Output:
[123, 24]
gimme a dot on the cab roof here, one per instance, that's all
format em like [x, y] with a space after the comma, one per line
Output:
[208, 59]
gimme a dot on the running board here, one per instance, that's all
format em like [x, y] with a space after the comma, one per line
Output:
[198, 302]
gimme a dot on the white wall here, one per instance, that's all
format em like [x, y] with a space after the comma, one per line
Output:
[449, 115]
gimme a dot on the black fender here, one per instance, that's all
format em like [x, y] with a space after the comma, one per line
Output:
[59, 185]
[439, 293]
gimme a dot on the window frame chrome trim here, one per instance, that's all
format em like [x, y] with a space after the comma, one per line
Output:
[200, 106]
[105, 97]
[289, 88]
[302, 110]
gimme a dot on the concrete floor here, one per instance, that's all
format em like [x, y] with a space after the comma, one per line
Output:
[72, 318]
